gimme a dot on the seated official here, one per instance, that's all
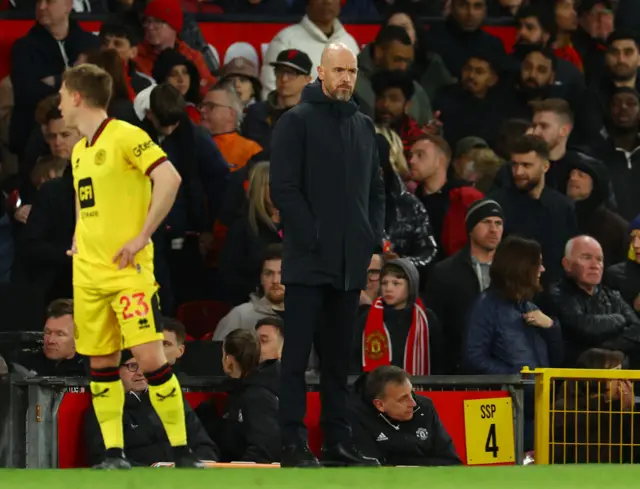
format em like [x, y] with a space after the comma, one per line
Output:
[145, 439]
[248, 430]
[58, 356]
[393, 424]
[397, 329]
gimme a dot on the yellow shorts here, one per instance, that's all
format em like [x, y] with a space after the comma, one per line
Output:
[106, 323]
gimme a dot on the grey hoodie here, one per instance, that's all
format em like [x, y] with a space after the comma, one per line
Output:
[244, 316]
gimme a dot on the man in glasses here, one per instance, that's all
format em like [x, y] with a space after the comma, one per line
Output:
[145, 441]
[293, 72]
[368, 295]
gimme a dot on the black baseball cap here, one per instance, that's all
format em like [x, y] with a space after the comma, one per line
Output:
[296, 59]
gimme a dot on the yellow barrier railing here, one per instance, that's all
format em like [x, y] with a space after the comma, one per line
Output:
[585, 416]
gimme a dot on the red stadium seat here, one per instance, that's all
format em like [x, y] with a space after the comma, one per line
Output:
[188, 337]
[207, 337]
[202, 317]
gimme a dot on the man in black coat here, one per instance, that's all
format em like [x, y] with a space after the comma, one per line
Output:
[145, 440]
[456, 282]
[326, 183]
[396, 426]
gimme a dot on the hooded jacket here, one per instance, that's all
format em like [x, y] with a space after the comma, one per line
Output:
[34, 57]
[624, 171]
[306, 37]
[244, 316]
[248, 430]
[166, 61]
[422, 440]
[398, 323]
[420, 109]
[326, 183]
[594, 219]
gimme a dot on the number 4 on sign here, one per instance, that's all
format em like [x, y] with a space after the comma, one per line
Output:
[489, 432]
[491, 446]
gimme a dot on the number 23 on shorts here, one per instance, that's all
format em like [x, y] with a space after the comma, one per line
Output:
[134, 305]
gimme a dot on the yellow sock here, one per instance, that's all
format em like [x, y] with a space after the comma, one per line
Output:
[166, 399]
[108, 402]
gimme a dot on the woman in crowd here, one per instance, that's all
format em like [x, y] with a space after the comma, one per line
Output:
[594, 420]
[178, 71]
[248, 238]
[242, 74]
[248, 430]
[427, 69]
[121, 104]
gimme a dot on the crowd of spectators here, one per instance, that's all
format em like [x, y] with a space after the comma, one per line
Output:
[512, 221]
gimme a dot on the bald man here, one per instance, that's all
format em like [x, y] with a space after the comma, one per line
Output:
[326, 183]
[592, 315]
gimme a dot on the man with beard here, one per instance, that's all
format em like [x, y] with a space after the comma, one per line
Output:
[392, 50]
[622, 59]
[270, 303]
[394, 91]
[533, 210]
[622, 150]
[469, 108]
[536, 27]
[326, 182]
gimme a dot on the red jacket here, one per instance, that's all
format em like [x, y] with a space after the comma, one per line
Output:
[454, 229]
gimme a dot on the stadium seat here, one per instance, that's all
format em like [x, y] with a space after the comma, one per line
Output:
[202, 317]
[207, 337]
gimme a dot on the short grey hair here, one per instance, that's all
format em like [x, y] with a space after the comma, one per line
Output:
[234, 100]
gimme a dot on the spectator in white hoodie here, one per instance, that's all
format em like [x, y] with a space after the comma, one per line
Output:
[317, 29]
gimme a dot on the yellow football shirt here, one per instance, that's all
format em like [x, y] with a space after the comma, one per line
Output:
[113, 191]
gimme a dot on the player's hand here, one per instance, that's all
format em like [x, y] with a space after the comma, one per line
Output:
[74, 248]
[127, 254]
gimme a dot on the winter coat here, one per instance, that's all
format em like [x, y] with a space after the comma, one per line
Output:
[248, 430]
[326, 183]
[422, 440]
[625, 278]
[499, 342]
[260, 119]
[602, 320]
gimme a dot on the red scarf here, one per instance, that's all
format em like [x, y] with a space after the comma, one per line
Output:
[376, 341]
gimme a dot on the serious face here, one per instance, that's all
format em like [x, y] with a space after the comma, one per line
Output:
[338, 72]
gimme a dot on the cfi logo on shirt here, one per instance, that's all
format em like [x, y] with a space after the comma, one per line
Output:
[101, 157]
[422, 433]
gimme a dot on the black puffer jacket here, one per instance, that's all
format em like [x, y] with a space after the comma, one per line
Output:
[248, 429]
[625, 278]
[260, 119]
[406, 220]
[602, 320]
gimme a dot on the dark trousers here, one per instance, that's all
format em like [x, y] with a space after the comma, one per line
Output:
[324, 317]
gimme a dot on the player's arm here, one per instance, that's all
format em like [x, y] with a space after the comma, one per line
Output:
[150, 159]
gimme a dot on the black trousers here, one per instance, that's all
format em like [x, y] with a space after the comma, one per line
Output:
[324, 317]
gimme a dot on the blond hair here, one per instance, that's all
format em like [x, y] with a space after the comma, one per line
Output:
[396, 151]
[486, 163]
[258, 188]
[94, 84]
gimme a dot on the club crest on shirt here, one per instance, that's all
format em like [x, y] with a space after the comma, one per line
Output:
[101, 157]
[375, 345]
[422, 433]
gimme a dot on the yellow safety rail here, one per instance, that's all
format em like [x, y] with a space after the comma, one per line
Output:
[585, 416]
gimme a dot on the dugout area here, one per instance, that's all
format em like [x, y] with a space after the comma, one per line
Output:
[512, 477]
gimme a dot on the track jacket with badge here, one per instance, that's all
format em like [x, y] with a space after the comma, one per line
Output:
[421, 441]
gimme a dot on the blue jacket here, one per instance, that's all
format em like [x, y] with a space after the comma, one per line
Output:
[499, 342]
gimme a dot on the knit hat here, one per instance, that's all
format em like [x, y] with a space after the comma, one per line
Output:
[468, 143]
[633, 226]
[481, 209]
[168, 11]
[125, 356]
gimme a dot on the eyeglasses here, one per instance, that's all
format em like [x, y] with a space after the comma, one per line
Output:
[132, 367]
[212, 105]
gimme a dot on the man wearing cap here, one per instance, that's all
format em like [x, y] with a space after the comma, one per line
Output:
[292, 69]
[145, 441]
[162, 22]
[457, 281]
[471, 107]
[462, 157]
